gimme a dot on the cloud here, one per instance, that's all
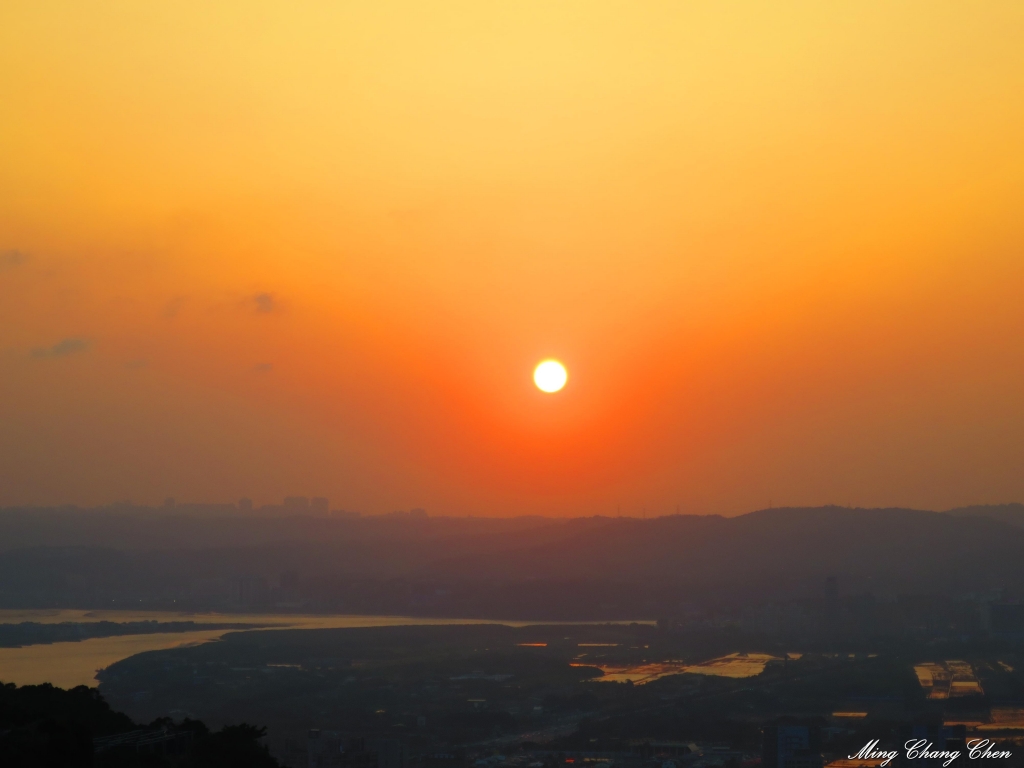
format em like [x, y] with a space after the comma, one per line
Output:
[265, 302]
[62, 348]
[12, 258]
[263, 367]
[174, 306]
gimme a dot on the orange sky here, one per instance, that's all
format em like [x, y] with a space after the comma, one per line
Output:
[272, 248]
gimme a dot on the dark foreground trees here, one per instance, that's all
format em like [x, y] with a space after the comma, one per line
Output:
[46, 727]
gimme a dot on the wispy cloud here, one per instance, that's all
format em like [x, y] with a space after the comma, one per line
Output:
[263, 367]
[265, 302]
[12, 258]
[174, 306]
[62, 348]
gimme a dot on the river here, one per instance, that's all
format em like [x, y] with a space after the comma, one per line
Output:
[76, 663]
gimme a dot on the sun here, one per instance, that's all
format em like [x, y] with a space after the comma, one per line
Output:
[550, 376]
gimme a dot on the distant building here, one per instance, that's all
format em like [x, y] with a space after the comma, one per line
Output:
[328, 749]
[1004, 619]
[412, 514]
[662, 750]
[215, 590]
[444, 760]
[205, 510]
[249, 591]
[319, 506]
[323, 748]
[943, 738]
[390, 753]
[296, 505]
[245, 505]
[791, 746]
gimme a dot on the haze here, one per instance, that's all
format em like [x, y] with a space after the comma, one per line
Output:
[265, 249]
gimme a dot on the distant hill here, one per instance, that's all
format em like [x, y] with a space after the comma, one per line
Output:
[621, 567]
[888, 550]
[1006, 513]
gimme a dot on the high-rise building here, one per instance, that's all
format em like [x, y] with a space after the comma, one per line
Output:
[329, 749]
[1003, 619]
[249, 591]
[390, 753]
[790, 746]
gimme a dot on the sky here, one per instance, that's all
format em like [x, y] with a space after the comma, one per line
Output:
[264, 249]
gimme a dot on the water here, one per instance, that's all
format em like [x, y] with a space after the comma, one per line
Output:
[735, 665]
[69, 664]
